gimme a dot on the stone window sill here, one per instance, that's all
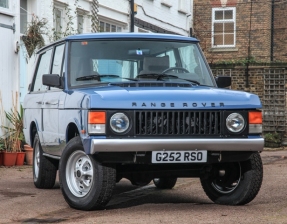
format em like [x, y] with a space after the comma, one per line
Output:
[166, 4]
[223, 49]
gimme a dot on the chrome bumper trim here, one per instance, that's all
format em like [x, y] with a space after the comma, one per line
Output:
[136, 145]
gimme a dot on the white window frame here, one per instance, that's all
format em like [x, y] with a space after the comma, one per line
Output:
[118, 28]
[60, 19]
[233, 20]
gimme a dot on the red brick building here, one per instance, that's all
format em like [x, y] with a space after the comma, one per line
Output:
[240, 30]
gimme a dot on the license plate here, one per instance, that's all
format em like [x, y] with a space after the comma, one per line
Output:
[198, 156]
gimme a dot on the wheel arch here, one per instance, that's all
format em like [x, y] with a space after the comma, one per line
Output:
[71, 131]
[32, 131]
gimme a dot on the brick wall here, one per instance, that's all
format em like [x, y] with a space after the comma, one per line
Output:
[253, 28]
[280, 30]
[269, 83]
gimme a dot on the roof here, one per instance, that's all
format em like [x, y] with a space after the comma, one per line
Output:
[130, 35]
[124, 36]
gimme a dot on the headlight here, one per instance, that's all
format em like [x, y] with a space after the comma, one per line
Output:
[119, 122]
[235, 122]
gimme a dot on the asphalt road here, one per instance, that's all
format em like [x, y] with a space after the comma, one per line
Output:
[21, 202]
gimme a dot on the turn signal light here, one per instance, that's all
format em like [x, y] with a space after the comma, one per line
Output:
[255, 117]
[255, 122]
[97, 117]
[97, 122]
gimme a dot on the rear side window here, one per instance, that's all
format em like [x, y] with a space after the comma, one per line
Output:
[43, 68]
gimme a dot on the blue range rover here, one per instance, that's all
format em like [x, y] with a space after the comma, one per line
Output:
[146, 107]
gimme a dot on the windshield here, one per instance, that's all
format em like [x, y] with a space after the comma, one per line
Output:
[107, 61]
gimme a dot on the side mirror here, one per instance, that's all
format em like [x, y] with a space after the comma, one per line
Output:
[52, 80]
[223, 81]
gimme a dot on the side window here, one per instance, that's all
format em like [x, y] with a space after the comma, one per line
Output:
[58, 58]
[43, 68]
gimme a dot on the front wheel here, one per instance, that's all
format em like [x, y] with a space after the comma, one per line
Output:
[85, 184]
[234, 183]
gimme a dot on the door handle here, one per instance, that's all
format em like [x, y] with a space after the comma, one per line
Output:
[50, 103]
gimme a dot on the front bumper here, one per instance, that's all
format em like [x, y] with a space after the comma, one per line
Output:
[137, 145]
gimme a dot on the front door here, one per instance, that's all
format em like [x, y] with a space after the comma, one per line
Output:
[52, 102]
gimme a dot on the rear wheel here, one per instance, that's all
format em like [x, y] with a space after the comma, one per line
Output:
[44, 170]
[164, 183]
[85, 184]
[235, 183]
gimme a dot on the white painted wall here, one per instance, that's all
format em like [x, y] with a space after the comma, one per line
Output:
[172, 15]
[9, 63]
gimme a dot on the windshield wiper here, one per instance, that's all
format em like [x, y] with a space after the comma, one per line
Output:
[88, 77]
[156, 76]
[160, 76]
[98, 77]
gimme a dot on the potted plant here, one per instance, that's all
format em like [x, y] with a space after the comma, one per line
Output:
[13, 137]
[272, 140]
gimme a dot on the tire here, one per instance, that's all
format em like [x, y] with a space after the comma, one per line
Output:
[235, 183]
[44, 170]
[85, 184]
[140, 183]
[164, 183]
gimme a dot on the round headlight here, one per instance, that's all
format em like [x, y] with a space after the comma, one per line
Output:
[235, 122]
[119, 122]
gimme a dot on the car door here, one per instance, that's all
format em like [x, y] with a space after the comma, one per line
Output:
[53, 100]
[34, 99]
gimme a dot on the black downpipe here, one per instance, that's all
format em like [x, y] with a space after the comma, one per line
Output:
[272, 32]
[249, 48]
[132, 16]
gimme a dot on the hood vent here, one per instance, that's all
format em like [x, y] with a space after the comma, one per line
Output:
[151, 84]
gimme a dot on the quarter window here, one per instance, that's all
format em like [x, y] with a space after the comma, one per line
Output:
[43, 68]
[223, 27]
[58, 58]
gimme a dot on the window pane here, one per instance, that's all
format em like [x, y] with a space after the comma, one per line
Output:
[228, 14]
[218, 27]
[4, 4]
[229, 27]
[228, 39]
[80, 23]
[113, 28]
[102, 27]
[58, 19]
[43, 68]
[108, 27]
[23, 16]
[119, 29]
[218, 39]
[218, 15]
[58, 59]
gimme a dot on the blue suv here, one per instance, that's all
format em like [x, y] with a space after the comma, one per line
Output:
[146, 107]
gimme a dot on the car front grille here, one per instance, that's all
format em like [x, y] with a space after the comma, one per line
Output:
[177, 123]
